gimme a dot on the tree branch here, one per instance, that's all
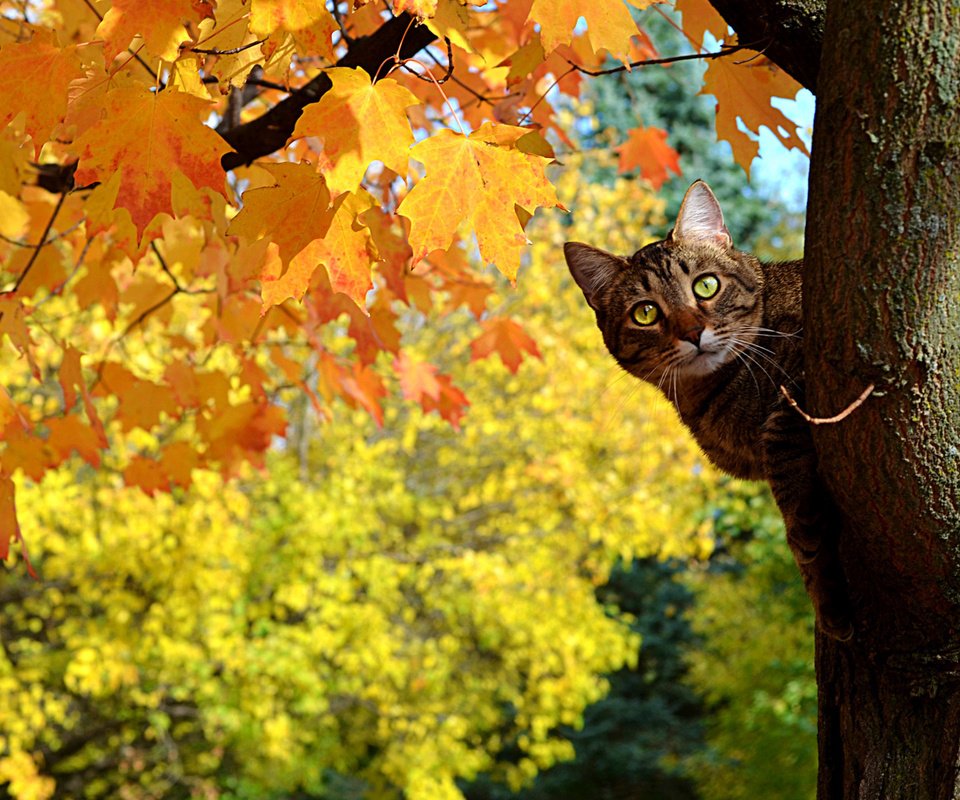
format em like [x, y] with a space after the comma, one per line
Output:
[793, 28]
[268, 133]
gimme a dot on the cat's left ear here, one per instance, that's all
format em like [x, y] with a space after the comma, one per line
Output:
[700, 218]
[592, 269]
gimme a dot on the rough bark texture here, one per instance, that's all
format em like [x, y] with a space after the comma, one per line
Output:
[790, 32]
[882, 306]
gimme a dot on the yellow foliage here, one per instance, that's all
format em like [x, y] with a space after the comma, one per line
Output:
[423, 600]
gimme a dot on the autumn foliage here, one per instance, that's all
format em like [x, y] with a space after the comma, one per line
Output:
[207, 208]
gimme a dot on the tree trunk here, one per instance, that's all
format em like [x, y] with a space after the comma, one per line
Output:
[882, 306]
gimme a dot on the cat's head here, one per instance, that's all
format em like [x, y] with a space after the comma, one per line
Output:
[679, 306]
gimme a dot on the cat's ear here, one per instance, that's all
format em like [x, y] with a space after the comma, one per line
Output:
[700, 218]
[591, 268]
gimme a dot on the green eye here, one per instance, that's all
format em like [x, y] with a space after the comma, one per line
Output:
[645, 313]
[706, 286]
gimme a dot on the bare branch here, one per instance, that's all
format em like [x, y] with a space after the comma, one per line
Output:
[828, 420]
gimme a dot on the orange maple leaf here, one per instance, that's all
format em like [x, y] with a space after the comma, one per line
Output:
[359, 122]
[506, 338]
[481, 180]
[609, 24]
[451, 404]
[743, 90]
[34, 78]
[418, 379]
[292, 213]
[646, 149]
[69, 433]
[699, 17]
[346, 252]
[151, 139]
[159, 22]
[71, 377]
[9, 525]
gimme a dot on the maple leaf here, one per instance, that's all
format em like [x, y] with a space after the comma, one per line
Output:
[35, 70]
[363, 387]
[699, 17]
[421, 383]
[267, 16]
[147, 138]
[743, 90]
[228, 31]
[9, 525]
[346, 251]
[292, 213]
[160, 23]
[14, 325]
[506, 338]
[241, 432]
[418, 379]
[147, 474]
[359, 122]
[451, 404]
[646, 149]
[71, 377]
[480, 179]
[69, 433]
[609, 24]
[140, 401]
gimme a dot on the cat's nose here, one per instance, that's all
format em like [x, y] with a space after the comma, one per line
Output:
[692, 334]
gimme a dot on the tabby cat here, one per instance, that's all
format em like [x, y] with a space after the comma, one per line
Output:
[719, 332]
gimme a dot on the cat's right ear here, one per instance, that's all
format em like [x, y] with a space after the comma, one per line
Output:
[700, 218]
[592, 269]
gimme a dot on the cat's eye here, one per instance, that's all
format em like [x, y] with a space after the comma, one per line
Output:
[706, 286]
[645, 313]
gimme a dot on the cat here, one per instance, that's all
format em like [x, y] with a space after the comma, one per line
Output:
[718, 332]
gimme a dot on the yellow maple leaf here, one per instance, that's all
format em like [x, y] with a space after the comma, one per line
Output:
[267, 16]
[293, 212]
[34, 77]
[451, 20]
[228, 30]
[479, 180]
[609, 24]
[359, 122]
[149, 138]
[744, 89]
[160, 23]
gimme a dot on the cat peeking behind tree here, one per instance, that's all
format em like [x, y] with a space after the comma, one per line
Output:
[718, 332]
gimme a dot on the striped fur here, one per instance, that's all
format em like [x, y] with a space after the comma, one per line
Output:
[721, 362]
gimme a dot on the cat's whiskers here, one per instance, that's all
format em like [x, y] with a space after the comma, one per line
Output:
[756, 353]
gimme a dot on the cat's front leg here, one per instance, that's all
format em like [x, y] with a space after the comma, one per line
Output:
[811, 517]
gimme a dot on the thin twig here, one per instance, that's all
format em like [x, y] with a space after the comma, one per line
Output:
[232, 51]
[430, 79]
[41, 244]
[649, 62]
[542, 97]
[50, 240]
[828, 420]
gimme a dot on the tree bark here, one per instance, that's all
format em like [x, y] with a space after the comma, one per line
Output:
[790, 32]
[882, 306]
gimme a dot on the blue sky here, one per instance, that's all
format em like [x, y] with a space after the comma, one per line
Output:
[782, 172]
